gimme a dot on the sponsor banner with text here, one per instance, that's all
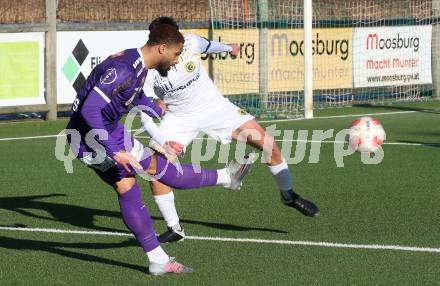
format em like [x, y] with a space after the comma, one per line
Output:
[239, 74]
[392, 56]
[80, 51]
[332, 59]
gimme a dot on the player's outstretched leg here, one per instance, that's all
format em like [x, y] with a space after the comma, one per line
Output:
[230, 177]
[253, 134]
[184, 176]
[138, 220]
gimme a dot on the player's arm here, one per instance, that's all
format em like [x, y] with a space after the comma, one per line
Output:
[207, 46]
[169, 148]
[149, 107]
[91, 111]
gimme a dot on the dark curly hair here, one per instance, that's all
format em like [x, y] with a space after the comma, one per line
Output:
[163, 20]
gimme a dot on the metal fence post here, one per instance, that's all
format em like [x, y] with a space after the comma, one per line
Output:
[50, 59]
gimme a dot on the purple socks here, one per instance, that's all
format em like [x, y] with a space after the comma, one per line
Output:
[186, 177]
[137, 218]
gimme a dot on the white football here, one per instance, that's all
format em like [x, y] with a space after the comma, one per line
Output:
[366, 134]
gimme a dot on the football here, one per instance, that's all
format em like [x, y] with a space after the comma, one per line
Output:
[366, 134]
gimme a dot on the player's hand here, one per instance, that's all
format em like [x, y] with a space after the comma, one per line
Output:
[162, 105]
[173, 148]
[126, 160]
[235, 49]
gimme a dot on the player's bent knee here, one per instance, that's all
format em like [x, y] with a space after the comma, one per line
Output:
[125, 185]
[158, 188]
[152, 168]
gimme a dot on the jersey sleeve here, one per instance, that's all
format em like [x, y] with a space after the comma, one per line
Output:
[114, 82]
[150, 108]
[206, 46]
[151, 128]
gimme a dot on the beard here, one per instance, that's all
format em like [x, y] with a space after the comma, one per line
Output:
[163, 69]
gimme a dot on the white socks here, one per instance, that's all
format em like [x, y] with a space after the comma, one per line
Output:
[166, 206]
[282, 176]
[158, 255]
[223, 178]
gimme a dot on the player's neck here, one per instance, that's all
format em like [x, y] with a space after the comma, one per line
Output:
[150, 59]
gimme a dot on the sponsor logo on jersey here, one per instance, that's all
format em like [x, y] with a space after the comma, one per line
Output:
[183, 87]
[137, 90]
[109, 76]
[121, 87]
[137, 62]
[190, 66]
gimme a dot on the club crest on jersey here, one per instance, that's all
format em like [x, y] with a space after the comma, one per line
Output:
[109, 76]
[190, 66]
[242, 111]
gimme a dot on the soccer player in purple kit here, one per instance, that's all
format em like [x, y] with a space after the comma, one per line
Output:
[112, 88]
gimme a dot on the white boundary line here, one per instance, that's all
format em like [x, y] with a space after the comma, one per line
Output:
[267, 121]
[243, 240]
[317, 141]
[30, 137]
[208, 138]
[338, 116]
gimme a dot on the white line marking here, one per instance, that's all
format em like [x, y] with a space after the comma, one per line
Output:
[337, 116]
[317, 141]
[245, 240]
[267, 121]
[208, 138]
[30, 137]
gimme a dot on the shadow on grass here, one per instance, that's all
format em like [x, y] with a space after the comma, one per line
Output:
[71, 214]
[60, 249]
[84, 217]
[225, 226]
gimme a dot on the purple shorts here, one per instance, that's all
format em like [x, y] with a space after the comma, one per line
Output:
[106, 168]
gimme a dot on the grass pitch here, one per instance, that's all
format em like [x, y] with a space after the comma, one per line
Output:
[392, 204]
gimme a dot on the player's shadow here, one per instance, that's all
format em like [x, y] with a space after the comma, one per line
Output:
[225, 226]
[397, 107]
[69, 250]
[74, 215]
[84, 217]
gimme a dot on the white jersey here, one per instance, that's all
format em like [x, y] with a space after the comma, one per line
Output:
[187, 88]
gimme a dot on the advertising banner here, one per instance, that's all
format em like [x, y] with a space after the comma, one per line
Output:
[236, 75]
[79, 52]
[389, 56]
[332, 59]
[21, 69]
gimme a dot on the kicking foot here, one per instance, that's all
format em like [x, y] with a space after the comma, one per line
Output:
[237, 170]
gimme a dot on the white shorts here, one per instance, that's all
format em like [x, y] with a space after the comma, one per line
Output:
[217, 124]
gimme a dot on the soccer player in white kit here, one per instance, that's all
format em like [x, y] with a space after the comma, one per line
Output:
[194, 104]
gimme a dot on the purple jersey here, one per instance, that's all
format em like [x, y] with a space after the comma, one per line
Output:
[112, 88]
